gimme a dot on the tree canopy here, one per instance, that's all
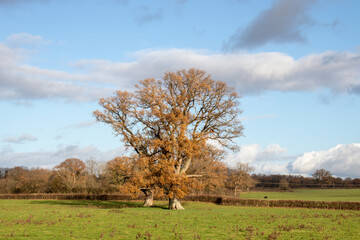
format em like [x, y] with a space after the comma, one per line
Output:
[168, 121]
[322, 176]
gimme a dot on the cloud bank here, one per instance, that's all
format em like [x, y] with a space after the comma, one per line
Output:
[249, 73]
[25, 82]
[254, 153]
[341, 160]
[268, 160]
[283, 22]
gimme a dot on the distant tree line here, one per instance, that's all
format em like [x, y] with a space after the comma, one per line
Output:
[71, 176]
[321, 178]
[121, 175]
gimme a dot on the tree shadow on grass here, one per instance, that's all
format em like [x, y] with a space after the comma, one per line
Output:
[97, 204]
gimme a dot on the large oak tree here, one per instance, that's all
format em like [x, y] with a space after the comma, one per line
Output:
[166, 122]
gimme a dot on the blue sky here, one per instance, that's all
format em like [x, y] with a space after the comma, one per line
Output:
[296, 64]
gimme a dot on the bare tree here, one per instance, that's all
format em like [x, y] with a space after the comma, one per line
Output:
[94, 176]
[322, 177]
[93, 168]
[283, 184]
[240, 178]
[72, 174]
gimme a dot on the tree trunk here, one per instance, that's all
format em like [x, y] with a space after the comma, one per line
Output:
[174, 204]
[149, 197]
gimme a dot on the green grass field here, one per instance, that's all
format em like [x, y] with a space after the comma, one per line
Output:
[61, 219]
[308, 194]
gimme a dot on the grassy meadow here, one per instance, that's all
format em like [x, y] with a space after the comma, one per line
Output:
[308, 194]
[64, 219]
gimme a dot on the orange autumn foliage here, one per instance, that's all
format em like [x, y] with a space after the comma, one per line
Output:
[167, 123]
[209, 172]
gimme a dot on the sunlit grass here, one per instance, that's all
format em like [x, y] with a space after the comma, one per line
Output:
[308, 194]
[40, 219]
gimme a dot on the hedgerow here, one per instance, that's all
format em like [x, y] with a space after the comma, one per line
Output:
[221, 200]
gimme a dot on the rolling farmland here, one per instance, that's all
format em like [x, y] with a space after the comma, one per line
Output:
[64, 219]
[308, 194]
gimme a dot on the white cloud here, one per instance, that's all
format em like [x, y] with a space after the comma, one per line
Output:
[247, 153]
[249, 73]
[341, 160]
[23, 82]
[21, 139]
[273, 149]
[255, 154]
[272, 168]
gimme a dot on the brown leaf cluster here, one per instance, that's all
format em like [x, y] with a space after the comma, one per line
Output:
[167, 122]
